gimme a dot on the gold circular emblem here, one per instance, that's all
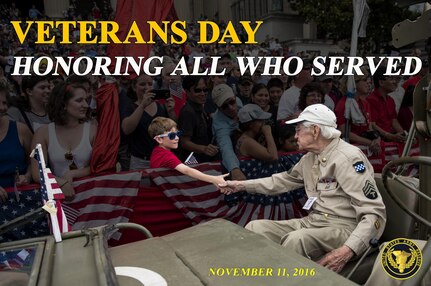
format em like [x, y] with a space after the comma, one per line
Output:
[401, 258]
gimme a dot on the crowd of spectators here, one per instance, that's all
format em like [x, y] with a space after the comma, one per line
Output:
[222, 117]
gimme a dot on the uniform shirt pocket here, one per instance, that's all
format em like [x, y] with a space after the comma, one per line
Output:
[327, 184]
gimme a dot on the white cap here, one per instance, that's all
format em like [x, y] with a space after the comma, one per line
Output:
[221, 93]
[316, 113]
[252, 112]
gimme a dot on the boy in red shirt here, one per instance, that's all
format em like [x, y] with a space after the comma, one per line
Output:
[164, 131]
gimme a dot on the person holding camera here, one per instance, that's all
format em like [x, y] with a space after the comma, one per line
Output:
[136, 116]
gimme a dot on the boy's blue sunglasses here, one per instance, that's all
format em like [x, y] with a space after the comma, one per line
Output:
[172, 135]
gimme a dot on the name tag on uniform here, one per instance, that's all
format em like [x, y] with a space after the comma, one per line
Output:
[309, 203]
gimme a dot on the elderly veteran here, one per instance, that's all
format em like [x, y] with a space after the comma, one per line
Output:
[346, 208]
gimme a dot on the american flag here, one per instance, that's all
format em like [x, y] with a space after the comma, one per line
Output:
[30, 200]
[200, 201]
[391, 151]
[176, 91]
[191, 160]
[101, 200]
[51, 194]
[98, 201]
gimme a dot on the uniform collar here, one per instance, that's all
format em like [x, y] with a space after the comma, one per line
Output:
[324, 156]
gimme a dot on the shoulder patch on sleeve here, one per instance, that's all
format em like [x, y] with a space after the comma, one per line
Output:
[370, 191]
[359, 167]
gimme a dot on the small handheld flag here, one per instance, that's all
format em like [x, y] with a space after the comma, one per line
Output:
[191, 160]
[50, 193]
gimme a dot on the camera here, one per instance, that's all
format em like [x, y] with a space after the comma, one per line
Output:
[161, 93]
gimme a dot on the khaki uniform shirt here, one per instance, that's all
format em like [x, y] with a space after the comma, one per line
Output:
[342, 180]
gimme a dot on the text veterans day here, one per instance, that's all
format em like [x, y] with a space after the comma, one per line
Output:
[105, 32]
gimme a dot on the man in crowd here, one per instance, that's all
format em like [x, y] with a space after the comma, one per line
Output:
[288, 105]
[225, 121]
[347, 209]
[195, 123]
[382, 107]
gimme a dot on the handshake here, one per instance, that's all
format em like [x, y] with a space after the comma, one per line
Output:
[227, 187]
[230, 187]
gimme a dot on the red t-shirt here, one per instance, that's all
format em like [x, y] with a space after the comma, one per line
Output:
[365, 108]
[179, 102]
[162, 158]
[411, 81]
[382, 110]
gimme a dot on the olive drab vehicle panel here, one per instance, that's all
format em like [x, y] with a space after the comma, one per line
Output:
[218, 253]
[222, 253]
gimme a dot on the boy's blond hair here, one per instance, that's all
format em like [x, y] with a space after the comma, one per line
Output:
[160, 125]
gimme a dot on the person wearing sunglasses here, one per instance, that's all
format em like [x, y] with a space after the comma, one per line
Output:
[225, 122]
[196, 123]
[164, 132]
[67, 142]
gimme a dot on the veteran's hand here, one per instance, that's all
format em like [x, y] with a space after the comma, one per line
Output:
[230, 187]
[337, 258]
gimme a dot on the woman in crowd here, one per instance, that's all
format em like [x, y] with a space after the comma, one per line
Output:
[252, 124]
[67, 142]
[310, 94]
[15, 141]
[30, 108]
[360, 123]
[136, 116]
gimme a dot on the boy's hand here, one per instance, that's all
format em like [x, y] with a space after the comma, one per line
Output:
[230, 187]
[219, 180]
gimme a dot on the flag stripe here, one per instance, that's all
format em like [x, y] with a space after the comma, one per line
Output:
[200, 201]
[103, 199]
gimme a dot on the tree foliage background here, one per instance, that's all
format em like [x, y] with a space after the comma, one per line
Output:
[334, 20]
